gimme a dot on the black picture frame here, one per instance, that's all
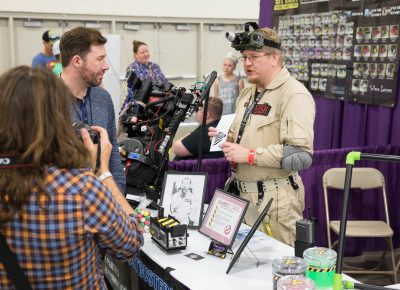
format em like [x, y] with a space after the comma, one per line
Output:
[186, 209]
[226, 204]
[249, 235]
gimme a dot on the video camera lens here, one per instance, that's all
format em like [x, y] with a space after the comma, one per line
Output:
[230, 36]
[94, 136]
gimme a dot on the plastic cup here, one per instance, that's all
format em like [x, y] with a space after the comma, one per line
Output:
[321, 264]
[295, 282]
[287, 265]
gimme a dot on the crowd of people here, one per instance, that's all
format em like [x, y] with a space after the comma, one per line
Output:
[62, 204]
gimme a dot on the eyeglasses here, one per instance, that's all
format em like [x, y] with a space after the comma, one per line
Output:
[251, 58]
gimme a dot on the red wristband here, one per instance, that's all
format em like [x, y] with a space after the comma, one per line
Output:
[251, 156]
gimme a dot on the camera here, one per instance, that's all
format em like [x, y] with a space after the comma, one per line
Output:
[251, 40]
[95, 136]
[150, 116]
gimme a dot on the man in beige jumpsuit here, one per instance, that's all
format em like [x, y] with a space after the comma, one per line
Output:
[277, 140]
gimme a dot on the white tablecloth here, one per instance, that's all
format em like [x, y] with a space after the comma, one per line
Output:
[210, 272]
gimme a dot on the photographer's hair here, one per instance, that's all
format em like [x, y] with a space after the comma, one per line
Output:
[271, 34]
[34, 122]
[215, 107]
[136, 44]
[78, 42]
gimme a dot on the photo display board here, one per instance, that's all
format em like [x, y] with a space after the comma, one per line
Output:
[346, 50]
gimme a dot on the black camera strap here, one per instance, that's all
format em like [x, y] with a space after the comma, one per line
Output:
[98, 157]
[13, 269]
[247, 113]
[246, 116]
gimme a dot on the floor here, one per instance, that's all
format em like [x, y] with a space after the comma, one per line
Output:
[371, 259]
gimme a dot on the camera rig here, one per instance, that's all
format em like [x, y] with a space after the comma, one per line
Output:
[150, 116]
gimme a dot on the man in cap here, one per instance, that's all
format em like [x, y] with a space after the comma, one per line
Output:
[271, 137]
[56, 67]
[49, 37]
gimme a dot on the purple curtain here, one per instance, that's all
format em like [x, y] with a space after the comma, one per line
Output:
[361, 206]
[342, 124]
[219, 170]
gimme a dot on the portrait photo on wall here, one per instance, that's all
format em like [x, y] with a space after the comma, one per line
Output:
[182, 196]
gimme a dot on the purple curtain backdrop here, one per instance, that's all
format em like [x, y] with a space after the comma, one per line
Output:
[340, 127]
[361, 206]
[343, 124]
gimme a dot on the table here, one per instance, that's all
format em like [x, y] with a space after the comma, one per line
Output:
[176, 271]
[219, 171]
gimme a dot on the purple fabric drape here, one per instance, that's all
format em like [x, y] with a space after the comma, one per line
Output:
[265, 9]
[342, 124]
[361, 206]
[219, 170]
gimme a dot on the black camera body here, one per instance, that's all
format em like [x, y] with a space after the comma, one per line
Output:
[95, 136]
[150, 116]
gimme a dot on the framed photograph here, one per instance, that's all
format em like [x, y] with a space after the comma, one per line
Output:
[182, 196]
[224, 217]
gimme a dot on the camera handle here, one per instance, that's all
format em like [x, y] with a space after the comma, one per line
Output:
[202, 132]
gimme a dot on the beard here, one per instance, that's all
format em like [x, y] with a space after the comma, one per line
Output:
[92, 79]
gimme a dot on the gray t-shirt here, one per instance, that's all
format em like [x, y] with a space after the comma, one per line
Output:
[228, 92]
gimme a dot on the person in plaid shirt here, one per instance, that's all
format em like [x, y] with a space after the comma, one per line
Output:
[144, 68]
[58, 217]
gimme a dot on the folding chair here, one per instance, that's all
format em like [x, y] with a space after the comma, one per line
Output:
[363, 178]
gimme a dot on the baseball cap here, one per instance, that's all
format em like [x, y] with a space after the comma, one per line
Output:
[56, 47]
[50, 36]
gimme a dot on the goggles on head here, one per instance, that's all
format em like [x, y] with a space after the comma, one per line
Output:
[250, 40]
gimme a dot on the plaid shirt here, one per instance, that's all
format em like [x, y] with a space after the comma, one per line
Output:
[149, 70]
[59, 241]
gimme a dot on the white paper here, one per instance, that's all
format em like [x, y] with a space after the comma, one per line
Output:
[223, 128]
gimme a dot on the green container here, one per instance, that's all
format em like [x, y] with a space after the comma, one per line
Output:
[321, 264]
[287, 265]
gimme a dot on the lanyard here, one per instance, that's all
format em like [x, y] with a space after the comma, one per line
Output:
[246, 117]
[247, 114]
[84, 116]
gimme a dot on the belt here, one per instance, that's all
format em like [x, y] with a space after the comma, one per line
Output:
[271, 184]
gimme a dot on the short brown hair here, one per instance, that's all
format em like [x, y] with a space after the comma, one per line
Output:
[271, 34]
[215, 107]
[37, 98]
[78, 41]
[136, 44]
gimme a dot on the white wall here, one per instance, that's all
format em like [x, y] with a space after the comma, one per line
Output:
[184, 56]
[220, 9]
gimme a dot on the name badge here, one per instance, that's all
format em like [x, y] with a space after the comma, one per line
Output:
[217, 250]
[262, 109]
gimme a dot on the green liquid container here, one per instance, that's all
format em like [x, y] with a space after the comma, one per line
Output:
[321, 264]
[287, 265]
[295, 282]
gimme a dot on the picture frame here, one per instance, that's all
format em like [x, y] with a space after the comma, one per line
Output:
[224, 217]
[182, 196]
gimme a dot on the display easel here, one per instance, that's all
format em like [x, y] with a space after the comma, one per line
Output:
[350, 159]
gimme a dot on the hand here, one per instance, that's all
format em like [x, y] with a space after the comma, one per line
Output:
[212, 132]
[105, 147]
[234, 152]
